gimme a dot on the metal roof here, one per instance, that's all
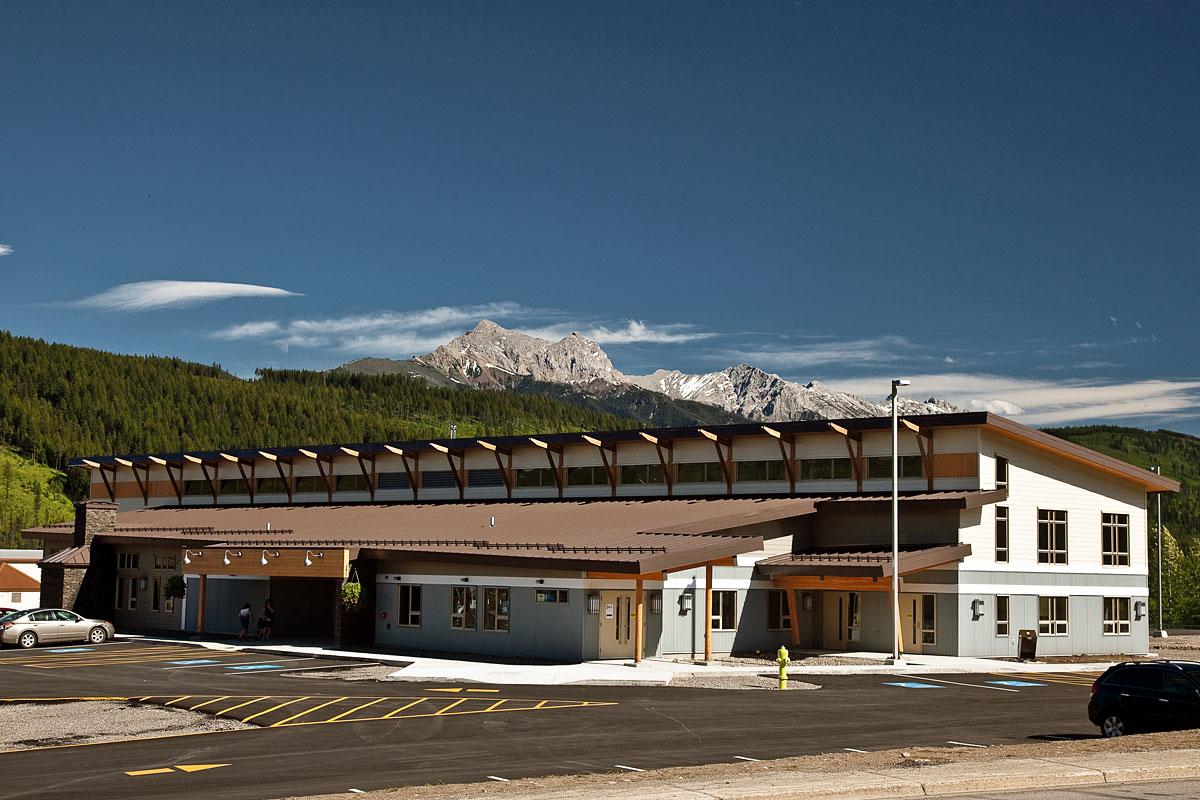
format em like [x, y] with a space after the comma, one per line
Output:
[13, 580]
[875, 562]
[70, 557]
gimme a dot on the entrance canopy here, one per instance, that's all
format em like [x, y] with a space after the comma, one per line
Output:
[268, 562]
[808, 569]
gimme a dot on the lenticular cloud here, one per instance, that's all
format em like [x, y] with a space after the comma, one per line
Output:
[150, 295]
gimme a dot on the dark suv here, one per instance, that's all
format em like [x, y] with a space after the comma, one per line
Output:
[1155, 695]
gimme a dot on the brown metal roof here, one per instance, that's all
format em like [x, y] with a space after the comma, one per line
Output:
[617, 534]
[13, 580]
[967, 498]
[857, 561]
[71, 557]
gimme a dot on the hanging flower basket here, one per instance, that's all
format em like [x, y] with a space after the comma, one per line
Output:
[351, 594]
[174, 586]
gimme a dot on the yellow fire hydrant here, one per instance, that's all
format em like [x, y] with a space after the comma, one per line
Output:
[782, 660]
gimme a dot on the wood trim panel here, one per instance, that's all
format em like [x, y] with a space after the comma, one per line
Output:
[334, 563]
[955, 465]
[834, 583]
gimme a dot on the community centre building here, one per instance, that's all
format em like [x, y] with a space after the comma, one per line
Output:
[679, 542]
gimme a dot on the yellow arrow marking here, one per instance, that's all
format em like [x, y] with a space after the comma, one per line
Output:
[198, 767]
[137, 773]
[452, 691]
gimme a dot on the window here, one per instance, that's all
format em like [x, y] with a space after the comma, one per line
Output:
[641, 474]
[197, 489]
[1002, 533]
[704, 472]
[128, 560]
[1001, 472]
[779, 617]
[824, 469]
[532, 478]
[551, 596]
[1052, 616]
[495, 610]
[310, 484]
[724, 610]
[925, 619]
[351, 483]
[164, 560]
[853, 617]
[881, 467]
[16, 597]
[761, 470]
[272, 486]
[1177, 683]
[119, 600]
[155, 599]
[409, 611]
[131, 604]
[1116, 616]
[587, 476]
[1052, 537]
[464, 600]
[1002, 615]
[232, 486]
[1145, 677]
[393, 481]
[1114, 539]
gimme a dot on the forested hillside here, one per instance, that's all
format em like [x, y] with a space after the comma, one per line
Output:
[30, 494]
[59, 402]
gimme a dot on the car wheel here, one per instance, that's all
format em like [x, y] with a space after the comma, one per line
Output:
[98, 636]
[27, 640]
[1112, 726]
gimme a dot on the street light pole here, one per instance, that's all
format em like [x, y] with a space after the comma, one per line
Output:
[896, 384]
[1162, 632]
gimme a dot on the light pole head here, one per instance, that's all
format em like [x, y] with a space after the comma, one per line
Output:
[901, 382]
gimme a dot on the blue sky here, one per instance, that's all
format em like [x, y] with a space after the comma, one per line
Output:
[997, 200]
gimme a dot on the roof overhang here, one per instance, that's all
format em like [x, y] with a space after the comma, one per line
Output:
[860, 563]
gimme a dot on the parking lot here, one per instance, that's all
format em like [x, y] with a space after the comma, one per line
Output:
[308, 736]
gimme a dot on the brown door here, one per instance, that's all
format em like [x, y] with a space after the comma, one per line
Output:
[616, 624]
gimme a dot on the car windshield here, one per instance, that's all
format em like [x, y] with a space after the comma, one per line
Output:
[11, 615]
[1191, 669]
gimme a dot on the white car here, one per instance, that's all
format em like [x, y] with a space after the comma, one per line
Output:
[30, 628]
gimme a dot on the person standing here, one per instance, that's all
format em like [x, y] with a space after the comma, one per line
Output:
[244, 619]
[267, 621]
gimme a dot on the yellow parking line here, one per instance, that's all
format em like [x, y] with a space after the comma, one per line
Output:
[452, 705]
[309, 711]
[483, 690]
[209, 702]
[137, 773]
[177, 699]
[356, 708]
[580, 704]
[241, 705]
[392, 714]
[273, 708]
[495, 705]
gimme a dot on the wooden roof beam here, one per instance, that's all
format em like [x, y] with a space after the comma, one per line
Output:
[326, 477]
[459, 470]
[852, 438]
[787, 452]
[506, 470]
[611, 471]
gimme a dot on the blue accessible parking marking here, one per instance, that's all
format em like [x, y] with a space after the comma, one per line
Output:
[192, 661]
[71, 650]
[255, 666]
[1016, 683]
[912, 685]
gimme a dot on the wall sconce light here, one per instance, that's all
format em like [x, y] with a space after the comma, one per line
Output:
[656, 603]
[309, 555]
[272, 554]
[228, 553]
[188, 555]
[464, 580]
[143, 582]
[1139, 610]
[976, 610]
[540, 581]
[685, 603]
[593, 604]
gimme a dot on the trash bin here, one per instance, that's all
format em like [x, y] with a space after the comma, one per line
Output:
[1027, 644]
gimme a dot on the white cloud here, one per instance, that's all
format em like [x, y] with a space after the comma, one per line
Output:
[151, 295]
[1048, 402]
[247, 330]
[5, 250]
[636, 331]
[882, 350]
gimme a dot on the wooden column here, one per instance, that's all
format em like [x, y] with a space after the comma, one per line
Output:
[639, 632]
[794, 616]
[201, 600]
[708, 579]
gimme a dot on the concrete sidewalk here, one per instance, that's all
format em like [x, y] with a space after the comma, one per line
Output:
[922, 781]
[650, 672]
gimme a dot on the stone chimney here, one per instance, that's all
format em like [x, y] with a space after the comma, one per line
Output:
[92, 517]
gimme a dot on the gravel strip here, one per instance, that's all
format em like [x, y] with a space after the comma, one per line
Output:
[735, 681]
[798, 661]
[28, 725]
[371, 672]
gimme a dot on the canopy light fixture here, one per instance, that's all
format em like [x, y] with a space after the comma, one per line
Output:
[188, 555]
[229, 554]
[309, 555]
[271, 553]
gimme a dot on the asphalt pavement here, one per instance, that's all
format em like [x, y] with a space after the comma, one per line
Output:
[313, 736]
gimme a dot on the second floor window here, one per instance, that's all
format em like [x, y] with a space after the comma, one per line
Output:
[1001, 472]
[1002, 534]
[1114, 540]
[1052, 536]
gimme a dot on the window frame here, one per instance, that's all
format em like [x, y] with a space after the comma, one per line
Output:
[1114, 624]
[493, 626]
[1114, 524]
[1054, 624]
[404, 610]
[156, 598]
[1002, 524]
[1001, 474]
[778, 610]
[926, 636]
[724, 600]
[131, 599]
[470, 608]
[1005, 620]
[1051, 555]
[559, 596]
